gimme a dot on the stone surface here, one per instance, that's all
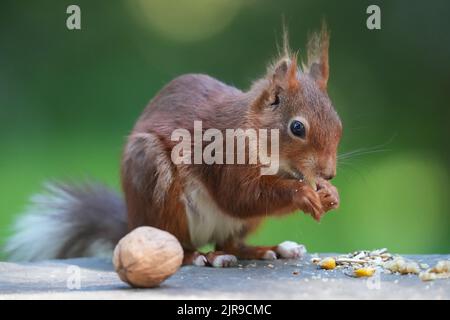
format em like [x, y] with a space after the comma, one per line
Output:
[96, 279]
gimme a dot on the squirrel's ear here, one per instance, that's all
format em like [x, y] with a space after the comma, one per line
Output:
[284, 74]
[317, 63]
[281, 76]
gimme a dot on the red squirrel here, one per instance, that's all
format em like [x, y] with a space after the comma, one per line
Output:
[203, 204]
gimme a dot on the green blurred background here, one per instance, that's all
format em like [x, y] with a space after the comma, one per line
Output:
[69, 98]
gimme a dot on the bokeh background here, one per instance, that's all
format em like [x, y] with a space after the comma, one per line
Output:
[69, 98]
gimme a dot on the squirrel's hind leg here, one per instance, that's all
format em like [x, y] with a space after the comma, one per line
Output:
[245, 252]
[236, 246]
[227, 255]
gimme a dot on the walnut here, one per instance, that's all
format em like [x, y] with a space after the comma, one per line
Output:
[147, 256]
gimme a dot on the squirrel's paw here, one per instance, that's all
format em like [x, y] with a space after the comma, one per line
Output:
[200, 261]
[194, 258]
[329, 196]
[290, 250]
[269, 255]
[308, 200]
[221, 260]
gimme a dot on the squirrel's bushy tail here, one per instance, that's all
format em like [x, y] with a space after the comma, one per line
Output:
[68, 221]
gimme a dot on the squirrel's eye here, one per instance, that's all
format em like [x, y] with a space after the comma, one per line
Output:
[298, 129]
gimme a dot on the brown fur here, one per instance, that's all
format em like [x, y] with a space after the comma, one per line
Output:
[154, 186]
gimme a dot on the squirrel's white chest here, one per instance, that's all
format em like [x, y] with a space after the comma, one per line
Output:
[207, 223]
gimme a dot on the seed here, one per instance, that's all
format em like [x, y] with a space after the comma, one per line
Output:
[427, 276]
[440, 271]
[315, 260]
[328, 263]
[378, 252]
[360, 255]
[400, 265]
[364, 272]
[350, 260]
[442, 266]
[412, 267]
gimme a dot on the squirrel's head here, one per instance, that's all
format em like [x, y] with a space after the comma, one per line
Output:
[295, 101]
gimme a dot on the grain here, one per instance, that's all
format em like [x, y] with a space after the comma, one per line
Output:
[327, 263]
[364, 272]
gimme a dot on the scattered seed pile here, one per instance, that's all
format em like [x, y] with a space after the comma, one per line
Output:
[440, 271]
[366, 263]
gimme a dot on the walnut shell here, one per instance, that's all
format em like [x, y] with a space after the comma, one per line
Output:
[147, 256]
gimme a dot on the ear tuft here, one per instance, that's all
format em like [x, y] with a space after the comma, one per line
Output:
[292, 79]
[280, 70]
[317, 57]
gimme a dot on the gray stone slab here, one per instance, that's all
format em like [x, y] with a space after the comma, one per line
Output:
[254, 280]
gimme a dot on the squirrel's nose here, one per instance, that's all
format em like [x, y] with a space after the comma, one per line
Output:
[328, 176]
[327, 170]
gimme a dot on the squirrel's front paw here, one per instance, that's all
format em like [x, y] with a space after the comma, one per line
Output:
[308, 200]
[329, 196]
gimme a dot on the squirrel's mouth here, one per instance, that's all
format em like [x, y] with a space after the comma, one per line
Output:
[296, 174]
